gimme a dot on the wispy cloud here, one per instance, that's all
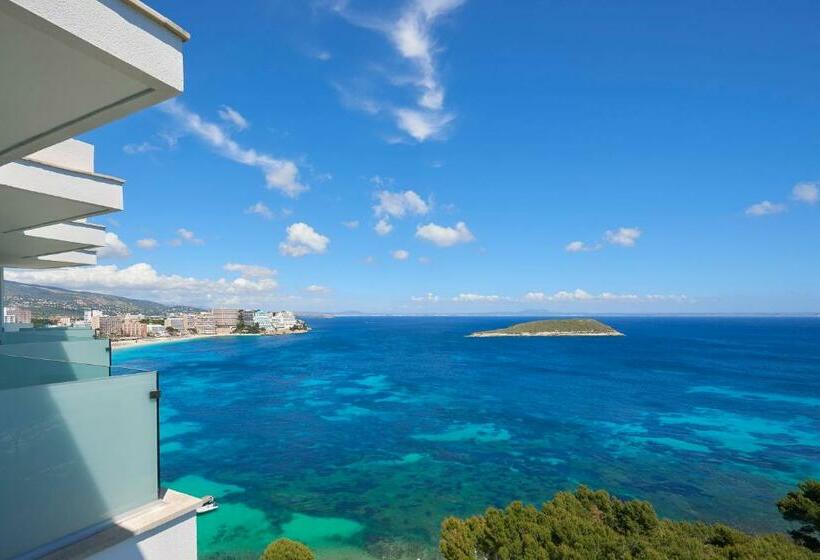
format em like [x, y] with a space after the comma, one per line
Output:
[351, 224]
[303, 240]
[581, 247]
[234, 117]
[250, 270]
[579, 295]
[383, 227]
[622, 237]
[142, 148]
[186, 236]
[765, 208]
[411, 34]
[483, 298]
[280, 174]
[399, 204]
[806, 192]
[317, 289]
[148, 243]
[445, 236]
[400, 254]
[260, 209]
[429, 297]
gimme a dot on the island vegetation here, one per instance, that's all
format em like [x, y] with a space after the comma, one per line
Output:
[553, 327]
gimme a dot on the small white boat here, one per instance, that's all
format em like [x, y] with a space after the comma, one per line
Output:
[209, 504]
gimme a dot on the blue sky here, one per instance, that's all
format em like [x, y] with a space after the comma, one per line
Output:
[567, 156]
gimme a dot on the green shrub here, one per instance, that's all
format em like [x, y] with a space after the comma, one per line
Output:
[803, 506]
[286, 549]
[587, 525]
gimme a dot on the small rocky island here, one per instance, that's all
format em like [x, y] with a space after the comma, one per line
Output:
[554, 327]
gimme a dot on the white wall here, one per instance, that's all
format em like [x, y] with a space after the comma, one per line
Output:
[173, 541]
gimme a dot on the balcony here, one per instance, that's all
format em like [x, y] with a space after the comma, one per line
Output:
[83, 456]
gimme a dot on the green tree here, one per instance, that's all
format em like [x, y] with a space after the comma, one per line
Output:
[588, 525]
[286, 549]
[803, 506]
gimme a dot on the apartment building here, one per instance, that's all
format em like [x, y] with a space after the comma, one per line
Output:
[78, 445]
[17, 315]
[134, 328]
[226, 317]
[204, 323]
[109, 326]
[284, 320]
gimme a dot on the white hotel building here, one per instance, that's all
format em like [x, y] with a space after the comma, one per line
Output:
[79, 461]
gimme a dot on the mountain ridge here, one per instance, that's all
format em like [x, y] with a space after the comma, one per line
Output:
[47, 301]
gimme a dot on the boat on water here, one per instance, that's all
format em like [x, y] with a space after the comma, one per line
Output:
[208, 504]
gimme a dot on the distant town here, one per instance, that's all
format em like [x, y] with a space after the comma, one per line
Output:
[129, 327]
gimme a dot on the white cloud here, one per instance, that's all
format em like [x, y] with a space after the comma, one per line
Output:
[250, 270]
[143, 148]
[765, 208]
[428, 297]
[445, 236]
[141, 280]
[806, 192]
[303, 240]
[422, 125]
[411, 35]
[114, 247]
[234, 117]
[351, 224]
[424, 260]
[624, 236]
[579, 295]
[383, 227]
[186, 236]
[399, 204]
[462, 298]
[580, 246]
[317, 289]
[260, 209]
[400, 255]
[281, 174]
[148, 243]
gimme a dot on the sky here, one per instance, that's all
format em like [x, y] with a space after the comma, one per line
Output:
[449, 156]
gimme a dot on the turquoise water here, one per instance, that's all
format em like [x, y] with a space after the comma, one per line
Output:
[359, 437]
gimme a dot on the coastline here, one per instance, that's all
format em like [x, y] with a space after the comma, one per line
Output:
[133, 343]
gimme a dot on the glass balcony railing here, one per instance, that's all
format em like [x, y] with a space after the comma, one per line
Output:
[74, 455]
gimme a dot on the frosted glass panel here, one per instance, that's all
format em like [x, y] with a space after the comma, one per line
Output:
[74, 455]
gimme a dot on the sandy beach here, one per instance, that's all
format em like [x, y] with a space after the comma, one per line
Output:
[130, 343]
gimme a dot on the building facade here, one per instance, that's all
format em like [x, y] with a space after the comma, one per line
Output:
[16, 315]
[226, 318]
[204, 323]
[78, 446]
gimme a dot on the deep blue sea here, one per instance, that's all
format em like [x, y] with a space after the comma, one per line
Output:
[359, 437]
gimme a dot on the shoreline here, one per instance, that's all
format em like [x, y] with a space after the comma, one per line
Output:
[140, 342]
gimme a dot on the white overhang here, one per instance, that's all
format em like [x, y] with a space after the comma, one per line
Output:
[70, 66]
[60, 260]
[44, 200]
[34, 194]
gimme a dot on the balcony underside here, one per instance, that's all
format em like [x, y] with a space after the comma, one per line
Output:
[66, 70]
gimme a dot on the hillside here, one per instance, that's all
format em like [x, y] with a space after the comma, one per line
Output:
[554, 327]
[45, 301]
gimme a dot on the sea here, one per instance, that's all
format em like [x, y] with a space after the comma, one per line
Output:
[361, 436]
